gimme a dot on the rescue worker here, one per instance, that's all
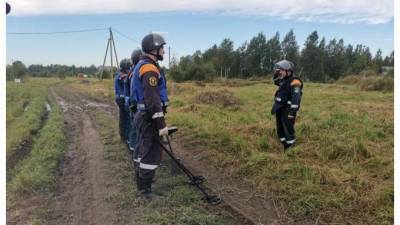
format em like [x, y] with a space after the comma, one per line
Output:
[287, 101]
[148, 85]
[133, 134]
[127, 102]
[120, 99]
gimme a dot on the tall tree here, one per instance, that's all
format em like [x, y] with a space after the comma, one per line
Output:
[18, 69]
[335, 60]
[256, 51]
[223, 58]
[378, 61]
[274, 53]
[311, 61]
[362, 59]
[290, 49]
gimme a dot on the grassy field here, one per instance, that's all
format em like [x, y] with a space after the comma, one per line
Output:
[31, 168]
[342, 167]
[341, 171]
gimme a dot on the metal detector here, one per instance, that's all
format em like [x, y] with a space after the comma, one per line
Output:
[193, 180]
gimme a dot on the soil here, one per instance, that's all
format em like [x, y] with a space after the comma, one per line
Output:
[85, 182]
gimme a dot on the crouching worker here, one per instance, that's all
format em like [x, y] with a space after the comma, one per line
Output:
[120, 98]
[287, 101]
[149, 120]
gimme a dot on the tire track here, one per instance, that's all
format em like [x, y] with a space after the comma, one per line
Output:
[85, 182]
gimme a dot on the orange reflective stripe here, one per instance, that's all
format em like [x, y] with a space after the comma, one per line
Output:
[295, 83]
[148, 68]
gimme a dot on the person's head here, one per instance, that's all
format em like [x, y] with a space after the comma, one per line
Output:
[284, 68]
[153, 45]
[136, 56]
[125, 65]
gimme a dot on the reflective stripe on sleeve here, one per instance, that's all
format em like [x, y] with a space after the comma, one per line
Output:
[294, 106]
[158, 115]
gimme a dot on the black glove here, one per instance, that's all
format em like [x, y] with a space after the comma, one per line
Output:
[164, 109]
[133, 108]
[276, 78]
[120, 101]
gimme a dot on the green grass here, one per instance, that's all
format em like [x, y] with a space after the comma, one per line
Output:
[100, 90]
[182, 205]
[341, 170]
[25, 106]
[35, 174]
[344, 156]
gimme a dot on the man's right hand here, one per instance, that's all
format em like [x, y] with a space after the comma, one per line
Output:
[163, 131]
[120, 101]
[133, 108]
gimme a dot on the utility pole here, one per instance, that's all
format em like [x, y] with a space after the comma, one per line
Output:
[111, 45]
[169, 57]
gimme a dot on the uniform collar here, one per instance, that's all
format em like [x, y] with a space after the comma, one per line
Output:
[145, 57]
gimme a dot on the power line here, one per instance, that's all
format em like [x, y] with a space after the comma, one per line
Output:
[57, 32]
[126, 36]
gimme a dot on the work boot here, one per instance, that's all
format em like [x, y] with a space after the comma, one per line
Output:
[286, 146]
[151, 195]
[144, 189]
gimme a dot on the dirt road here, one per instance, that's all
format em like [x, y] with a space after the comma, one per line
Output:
[85, 181]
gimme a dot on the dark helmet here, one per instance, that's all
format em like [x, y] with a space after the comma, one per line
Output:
[136, 56]
[284, 65]
[152, 42]
[125, 65]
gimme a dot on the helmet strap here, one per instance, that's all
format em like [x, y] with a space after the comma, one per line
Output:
[158, 56]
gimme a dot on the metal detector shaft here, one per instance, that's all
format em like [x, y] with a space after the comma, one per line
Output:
[180, 165]
[195, 180]
[184, 169]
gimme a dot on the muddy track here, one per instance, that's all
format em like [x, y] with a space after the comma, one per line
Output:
[85, 182]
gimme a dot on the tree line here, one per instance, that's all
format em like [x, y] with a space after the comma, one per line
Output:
[19, 70]
[318, 61]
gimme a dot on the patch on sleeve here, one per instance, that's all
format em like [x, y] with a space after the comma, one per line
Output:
[148, 68]
[295, 83]
[153, 81]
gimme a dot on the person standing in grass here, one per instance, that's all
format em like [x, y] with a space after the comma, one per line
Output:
[132, 105]
[287, 101]
[148, 85]
[120, 98]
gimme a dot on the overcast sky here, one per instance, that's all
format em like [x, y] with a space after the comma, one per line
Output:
[189, 25]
